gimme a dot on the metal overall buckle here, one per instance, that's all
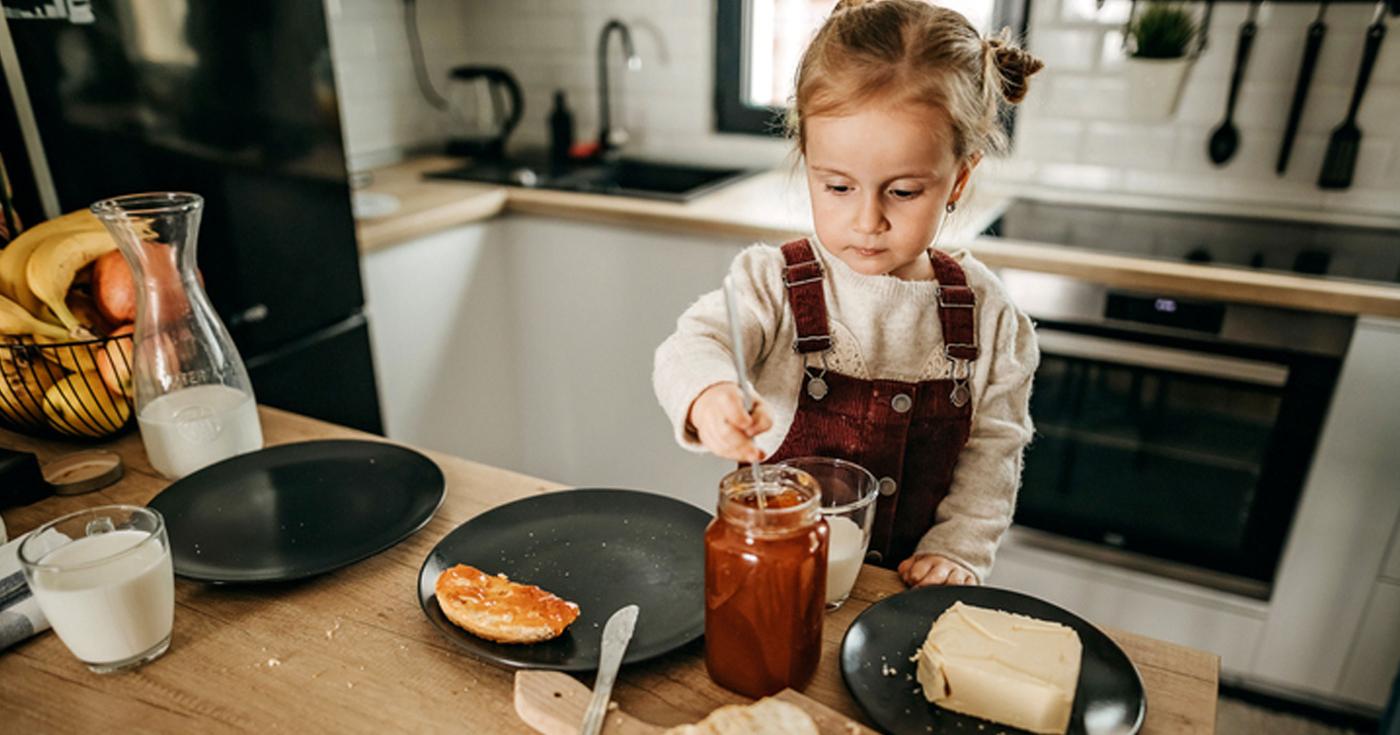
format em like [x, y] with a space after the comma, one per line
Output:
[816, 384]
[821, 272]
[961, 372]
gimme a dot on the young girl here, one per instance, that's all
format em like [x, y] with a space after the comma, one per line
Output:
[866, 343]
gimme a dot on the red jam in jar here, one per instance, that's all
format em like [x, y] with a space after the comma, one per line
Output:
[765, 582]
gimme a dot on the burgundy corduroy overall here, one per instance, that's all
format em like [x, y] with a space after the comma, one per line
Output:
[908, 435]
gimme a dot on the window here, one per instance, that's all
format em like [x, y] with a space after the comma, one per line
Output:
[758, 44]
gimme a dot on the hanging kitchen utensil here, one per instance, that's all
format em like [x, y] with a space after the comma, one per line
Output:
[1226, 138]
[1340, 163]
[1203, 31]
[506, 105]
[1128, 27]
[1317, 30]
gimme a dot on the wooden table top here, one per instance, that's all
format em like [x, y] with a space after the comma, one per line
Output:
[351, 651]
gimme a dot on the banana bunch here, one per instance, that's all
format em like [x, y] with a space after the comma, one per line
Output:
[15, 278]
[64, 281]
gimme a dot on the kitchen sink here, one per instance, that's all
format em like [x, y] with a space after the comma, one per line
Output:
[649, 179]
[632, 177]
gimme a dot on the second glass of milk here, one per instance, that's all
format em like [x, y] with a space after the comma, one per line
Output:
[104, 580]
[848, 505]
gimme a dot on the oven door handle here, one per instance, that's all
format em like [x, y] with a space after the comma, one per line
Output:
[1088, 347]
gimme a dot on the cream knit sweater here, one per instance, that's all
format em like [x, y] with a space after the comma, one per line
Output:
[881, 328]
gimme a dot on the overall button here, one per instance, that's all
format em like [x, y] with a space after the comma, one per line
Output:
[902, 403]
[887, 486]
[874, 557]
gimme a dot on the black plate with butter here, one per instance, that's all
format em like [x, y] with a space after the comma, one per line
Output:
[1109, 698]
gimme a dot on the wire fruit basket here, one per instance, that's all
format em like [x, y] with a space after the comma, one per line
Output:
[72, 390]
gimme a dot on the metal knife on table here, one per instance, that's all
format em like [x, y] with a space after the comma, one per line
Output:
[616, 635]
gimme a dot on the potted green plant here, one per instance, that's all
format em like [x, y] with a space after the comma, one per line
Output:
[1160, 41]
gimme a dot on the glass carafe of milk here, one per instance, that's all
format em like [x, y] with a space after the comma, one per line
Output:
[194, 402]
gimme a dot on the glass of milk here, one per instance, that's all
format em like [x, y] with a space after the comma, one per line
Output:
[104, 580]
[848, 505]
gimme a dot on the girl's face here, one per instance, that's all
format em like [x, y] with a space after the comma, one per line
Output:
[880, 178]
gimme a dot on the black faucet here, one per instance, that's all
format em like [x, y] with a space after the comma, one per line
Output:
[634, 62]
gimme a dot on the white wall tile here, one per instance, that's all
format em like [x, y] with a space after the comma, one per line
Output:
[1069, 131]
[1262, 106]
[1126, 145]
[1045, 13]
[1387, 69]
[1066, 50]
[1113, 12]
[1114, 157]
[1057, 141]
[1111, 51]
[1276, 56]
[1380, 108]
[1087, 98]
[1325, 108]
[1203, 100]
[1372, 163]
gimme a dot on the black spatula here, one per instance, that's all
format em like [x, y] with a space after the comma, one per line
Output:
[1340, 162]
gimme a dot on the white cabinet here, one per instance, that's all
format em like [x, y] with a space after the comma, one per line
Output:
[1371, 667]
[527, 343]
[1227, 625]
[1338, 541]
[590, 304]
[1391, 569]
[443, 342]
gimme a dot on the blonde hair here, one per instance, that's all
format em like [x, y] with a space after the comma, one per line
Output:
[911, 51]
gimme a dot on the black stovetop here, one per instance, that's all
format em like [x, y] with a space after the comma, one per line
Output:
[1342, 251]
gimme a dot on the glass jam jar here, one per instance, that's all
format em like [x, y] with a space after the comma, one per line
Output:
[765, 581]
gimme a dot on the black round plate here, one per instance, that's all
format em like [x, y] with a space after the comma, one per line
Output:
[297, 510]
[602, 549]
[1109, 698]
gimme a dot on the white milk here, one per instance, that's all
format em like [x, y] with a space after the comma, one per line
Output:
[114, 610]
[845, 558]
[196, 427]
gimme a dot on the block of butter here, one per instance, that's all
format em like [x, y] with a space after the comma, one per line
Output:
[1003, 667]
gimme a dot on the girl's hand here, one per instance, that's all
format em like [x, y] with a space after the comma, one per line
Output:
[722, 425]
[924, 570]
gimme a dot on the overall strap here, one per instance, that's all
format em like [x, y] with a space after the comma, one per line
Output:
[803, 278]
[956, 308]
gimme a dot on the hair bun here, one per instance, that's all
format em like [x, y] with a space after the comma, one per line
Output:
[843, 5]
[1014, 65]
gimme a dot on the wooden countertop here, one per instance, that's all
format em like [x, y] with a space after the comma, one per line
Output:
[772, 207]
[351, 651]
[426, 206]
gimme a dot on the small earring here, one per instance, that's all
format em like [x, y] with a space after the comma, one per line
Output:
[951, 206]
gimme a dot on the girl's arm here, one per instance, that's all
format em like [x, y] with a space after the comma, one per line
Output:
[699, 354]
[971, 520]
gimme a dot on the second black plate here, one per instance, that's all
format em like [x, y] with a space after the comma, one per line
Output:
[1109, 698]
[297, 510]
[602, 549]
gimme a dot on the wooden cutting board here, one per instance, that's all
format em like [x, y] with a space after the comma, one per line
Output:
[553, 703]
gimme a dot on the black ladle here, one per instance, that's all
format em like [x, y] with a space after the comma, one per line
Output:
[1316, 31]
[1226, 138]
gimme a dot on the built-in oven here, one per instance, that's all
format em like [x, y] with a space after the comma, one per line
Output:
[1172, 435]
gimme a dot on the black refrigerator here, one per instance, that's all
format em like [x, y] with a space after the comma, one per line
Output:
[235, 101]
